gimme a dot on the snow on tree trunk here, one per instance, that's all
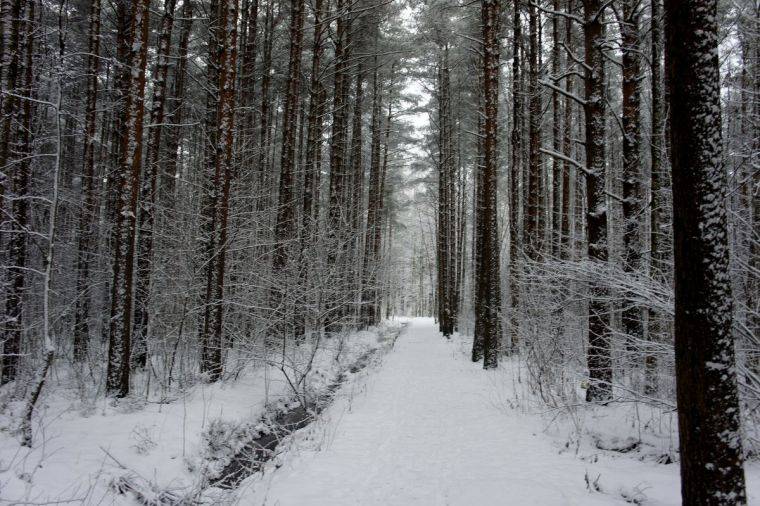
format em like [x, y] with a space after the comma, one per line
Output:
[599, 351]
[220, 136]
[120, 329]
[707, 393]
[149, 189]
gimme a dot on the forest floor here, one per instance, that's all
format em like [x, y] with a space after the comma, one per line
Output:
[432, 428]
[167, 447]
[421, 425]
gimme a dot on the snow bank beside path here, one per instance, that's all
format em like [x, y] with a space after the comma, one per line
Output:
[431, 428]
[79, 456]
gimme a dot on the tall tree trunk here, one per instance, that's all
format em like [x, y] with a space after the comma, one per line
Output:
[660, 224]
[633, 316]
[87, 216]
[313, 157]
[176, 101]
[478, 224]
[120, 329]
[599, 353]
[355, 192]
[210, 198]
[516, 176]
[225, 38]
[337, 215]
[286, 229]
[227, 81]
[249, 37]
[568, 171]
[369, 299]
[446, 219]
[265, 179]
[149, 190]
[557, 127]
[707, 393]
[19, 208]
[11, 68]
[489, 268]
[536, 215]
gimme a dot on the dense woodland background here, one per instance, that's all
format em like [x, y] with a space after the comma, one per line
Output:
[187, 185]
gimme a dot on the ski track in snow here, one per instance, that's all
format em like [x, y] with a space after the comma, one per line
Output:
[427, 431]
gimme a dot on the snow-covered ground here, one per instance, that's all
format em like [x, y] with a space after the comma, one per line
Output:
[81, 450]
[421, 426]
[431, 428]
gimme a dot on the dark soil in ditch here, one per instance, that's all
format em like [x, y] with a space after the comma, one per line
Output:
[260, 450]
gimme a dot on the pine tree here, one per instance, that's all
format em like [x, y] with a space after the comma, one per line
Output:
[338, 224]
[599, 342]
[489, 267]
[632, 167]
[87, 216]
[149, 188]
[286, 228]
[220, 117]
[19, 153]
[516, 176]
[536, 216]
[120, 332]
[707, 393]
[660, 216]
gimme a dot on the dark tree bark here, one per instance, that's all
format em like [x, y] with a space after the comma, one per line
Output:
[370, 311]
[149, 189]
[557, 127]
[354, 196]
[248, 39]
[120, 329]
[568, 171]
[599, 341]
[633, 315]
[19, 208]
[209, 200]
[536, 218]
[221, 119]
[660, 217]
[489, 268]
[446, 216]
[286, 229]
[11, 67]
[516, 176]
[312, 156]
[176, 102]
[265, 178]
[315, 126]
[356, 161]
[478, 228]
[338, 224]
[227, 81]
[707, 393]
[119, 96]
[86, 223]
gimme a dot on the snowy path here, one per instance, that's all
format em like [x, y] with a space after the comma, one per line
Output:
[427, 432]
